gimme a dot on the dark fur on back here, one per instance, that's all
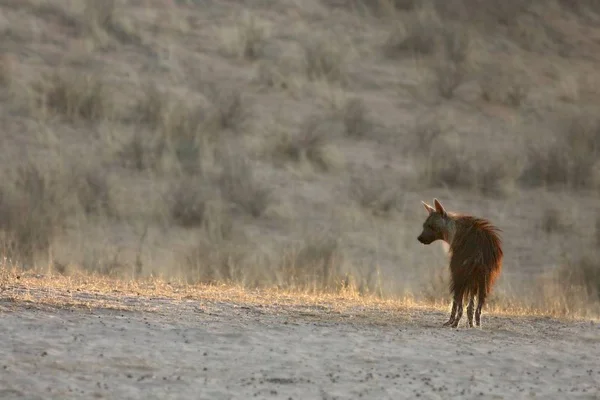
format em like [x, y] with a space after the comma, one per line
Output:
[476, 257]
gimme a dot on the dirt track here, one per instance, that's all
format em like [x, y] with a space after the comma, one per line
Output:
[161, 349]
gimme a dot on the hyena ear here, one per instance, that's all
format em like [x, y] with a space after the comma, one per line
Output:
[428, 207]
[439, 208]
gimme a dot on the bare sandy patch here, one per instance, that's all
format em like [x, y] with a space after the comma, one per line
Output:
[89, 337]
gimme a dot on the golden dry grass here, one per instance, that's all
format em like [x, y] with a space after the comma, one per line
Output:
[93, 291]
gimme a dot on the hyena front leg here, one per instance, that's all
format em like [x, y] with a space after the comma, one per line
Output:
[452, 314]
[470, 310]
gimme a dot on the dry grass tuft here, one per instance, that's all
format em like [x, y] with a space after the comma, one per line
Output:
[356, 119]
[173, 116]
[230, 110]
[210, 264]
[583, 275]
[94, 192]
[179, 129]
[105, 24]
[374, 194]
[311, 145]
[189, 202]
[247, 39]
[317, 266]
[426, 133]
[276, 74]
[72, 95]
[571, 160]
[417, 34]
[452, 66]
[143, 150]
[239, 185]
[34, 206]
[451, 165]
[503, 87]
[325, 59]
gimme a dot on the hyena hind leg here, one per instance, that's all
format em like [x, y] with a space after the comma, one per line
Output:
[470, 310]
[452, 314]
[458, 299]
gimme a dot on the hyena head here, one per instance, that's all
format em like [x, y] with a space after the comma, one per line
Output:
[437, 226]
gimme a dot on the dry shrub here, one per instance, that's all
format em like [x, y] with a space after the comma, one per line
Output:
[452, 65]
[247, 39]
[571, 160]
[356, 119]
[163, 111]
[144, 150]
[311, 145]
[532, 33]
[103, 21]
[240, 187]
[325, 59]
[426, 133]
[315, 265]
[34, 206]
[230, 110]
[448, 77]
[178, 128]
[580, 278]
[72, 95]
[417, 34]
[215, 261]
[451, 164]
[374, 195]
[501, 86]
[569, 88]
[189, 202]
[154, 106]
[193, 204]
[275, 74]
[94, 193]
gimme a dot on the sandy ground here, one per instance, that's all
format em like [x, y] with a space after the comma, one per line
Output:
[155, 348]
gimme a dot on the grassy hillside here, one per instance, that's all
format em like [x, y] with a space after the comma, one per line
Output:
[290, 143]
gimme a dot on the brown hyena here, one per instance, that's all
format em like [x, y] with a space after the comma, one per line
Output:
[475, 261]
